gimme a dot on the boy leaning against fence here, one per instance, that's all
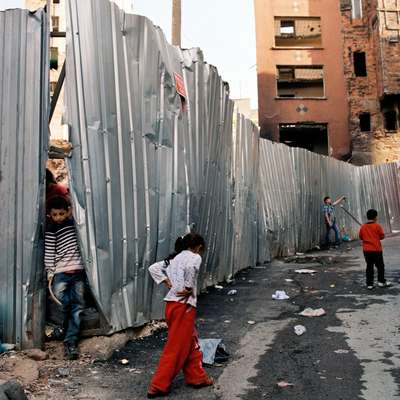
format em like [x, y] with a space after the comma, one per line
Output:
[371, 235]
[65, 270]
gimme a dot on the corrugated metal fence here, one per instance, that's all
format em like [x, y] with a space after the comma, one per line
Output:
[292, 184]
[148, 164]
[23, 140]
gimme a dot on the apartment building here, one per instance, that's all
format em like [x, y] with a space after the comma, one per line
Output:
[328, 75]
[301, 82]
[57, 56]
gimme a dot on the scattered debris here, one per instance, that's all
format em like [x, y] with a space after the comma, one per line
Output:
[36, 354]
[251, 322]
[232, 292]
[284, 384]
[280, 295]
[300, 330]
[63, 372]
[305, 271]
[227, 321]
[299, 254]
[219, 287]
[333, 286]
[310, 312]
[341, 351]
[213, 350]
[124, 361]
[289, 280]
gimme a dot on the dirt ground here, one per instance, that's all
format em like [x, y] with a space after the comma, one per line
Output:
[351, 353]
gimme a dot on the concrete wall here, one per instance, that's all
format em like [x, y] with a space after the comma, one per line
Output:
[333, 109]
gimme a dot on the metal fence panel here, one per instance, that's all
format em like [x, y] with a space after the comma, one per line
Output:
[23, 141]
[145, 165]
[292, 185]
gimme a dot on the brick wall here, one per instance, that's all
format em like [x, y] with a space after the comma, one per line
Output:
[364, 93]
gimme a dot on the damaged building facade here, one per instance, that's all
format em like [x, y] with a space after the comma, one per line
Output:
[328, 76]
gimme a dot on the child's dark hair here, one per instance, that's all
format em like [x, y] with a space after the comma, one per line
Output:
[189, 241]
[326, 198]
[372, 214]
[58, 203]
[192, 240]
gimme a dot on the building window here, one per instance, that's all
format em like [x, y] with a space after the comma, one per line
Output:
[360, 63]
[300, 81]
[298, 32]
[55, 22]
[56, 1]
[356, 6]
[54, 57]
[365, 122]
[390, 120]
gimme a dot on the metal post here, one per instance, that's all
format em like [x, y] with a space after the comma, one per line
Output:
[57, 92]
[176, 22]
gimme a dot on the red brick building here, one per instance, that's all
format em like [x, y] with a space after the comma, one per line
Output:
[329, 76]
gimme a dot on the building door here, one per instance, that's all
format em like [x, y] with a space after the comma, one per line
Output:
[312, 137]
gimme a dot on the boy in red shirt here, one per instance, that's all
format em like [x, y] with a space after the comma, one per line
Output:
[371, 235]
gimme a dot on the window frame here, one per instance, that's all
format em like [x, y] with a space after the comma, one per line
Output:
[282, 19]
[294, 67]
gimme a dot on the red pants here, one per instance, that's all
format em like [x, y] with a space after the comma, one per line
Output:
[182, 351]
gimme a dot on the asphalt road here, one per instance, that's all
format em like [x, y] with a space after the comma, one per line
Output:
[351, 353]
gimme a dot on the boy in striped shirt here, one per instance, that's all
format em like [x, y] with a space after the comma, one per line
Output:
[64, 266]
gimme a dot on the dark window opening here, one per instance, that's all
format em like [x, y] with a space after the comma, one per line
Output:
[54, 57]
[365, 122]
[360, 63]
[312, 137]
[300, 82]
[56, 1]
[298, 32]
[390, 120]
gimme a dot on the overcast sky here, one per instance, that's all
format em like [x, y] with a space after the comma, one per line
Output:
[224, 29]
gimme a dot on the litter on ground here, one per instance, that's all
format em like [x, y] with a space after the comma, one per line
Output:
[305, 271]
[213, 351]
[251, 322]
[232, 292]
[284, 384]
[310, 312]
[300, 330]
[288, 280]
[341, 351]
[280, 295]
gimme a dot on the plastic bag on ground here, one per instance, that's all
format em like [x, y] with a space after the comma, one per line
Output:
[213, 351]
[280, 295]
